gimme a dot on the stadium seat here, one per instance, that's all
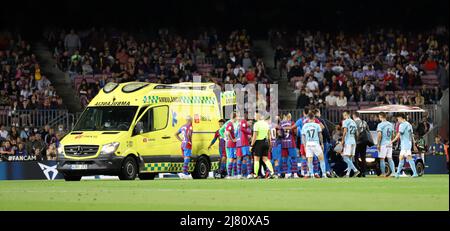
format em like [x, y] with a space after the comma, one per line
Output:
[352, 103]
[364, 103]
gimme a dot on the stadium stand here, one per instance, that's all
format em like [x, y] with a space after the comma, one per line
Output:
[383, 67]
[348, 71]
[333, 72]
[91, 60]
[28, 101]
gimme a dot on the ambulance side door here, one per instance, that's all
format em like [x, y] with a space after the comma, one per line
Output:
[150, 134]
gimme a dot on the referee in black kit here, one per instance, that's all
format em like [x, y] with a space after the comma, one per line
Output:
[260, 144]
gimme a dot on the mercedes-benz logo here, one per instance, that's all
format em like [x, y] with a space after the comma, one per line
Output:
[79, 151]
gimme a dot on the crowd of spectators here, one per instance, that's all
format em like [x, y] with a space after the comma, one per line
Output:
[23, 90]
[348, 96]
[23, 86]
[40, 143]
[386, 66]
[167, 57]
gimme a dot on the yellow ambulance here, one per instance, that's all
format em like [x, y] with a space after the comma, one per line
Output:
[128, 130]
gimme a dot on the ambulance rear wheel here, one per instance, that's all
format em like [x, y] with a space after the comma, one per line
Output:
[129, 169]
[202, 168]
[147, 176]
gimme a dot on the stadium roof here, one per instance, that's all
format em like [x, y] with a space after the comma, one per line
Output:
[257, 17]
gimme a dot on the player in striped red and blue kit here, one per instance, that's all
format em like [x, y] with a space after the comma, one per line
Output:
[186, 146]
[243, 155]
[275, 144]
[288, 146]
[405, 133]
[231, 146]
[222, 152]
[299, 125]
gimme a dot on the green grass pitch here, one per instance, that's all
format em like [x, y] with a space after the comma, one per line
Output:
[430, 192]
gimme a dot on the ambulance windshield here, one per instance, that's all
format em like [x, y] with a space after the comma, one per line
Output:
[106, 119]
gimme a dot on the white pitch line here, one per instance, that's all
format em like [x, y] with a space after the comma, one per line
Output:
[141, 190]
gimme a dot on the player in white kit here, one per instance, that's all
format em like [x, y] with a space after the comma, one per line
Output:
[385, 131]
[349, 143]
[405, 133]
[313, 140]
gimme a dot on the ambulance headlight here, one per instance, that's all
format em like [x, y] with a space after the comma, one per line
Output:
[60, 150]
[109, 148]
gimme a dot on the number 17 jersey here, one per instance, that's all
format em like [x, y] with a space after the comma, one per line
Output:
[311, 132]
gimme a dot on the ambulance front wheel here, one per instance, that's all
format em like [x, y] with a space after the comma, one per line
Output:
[129, 169]
[202, 168]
